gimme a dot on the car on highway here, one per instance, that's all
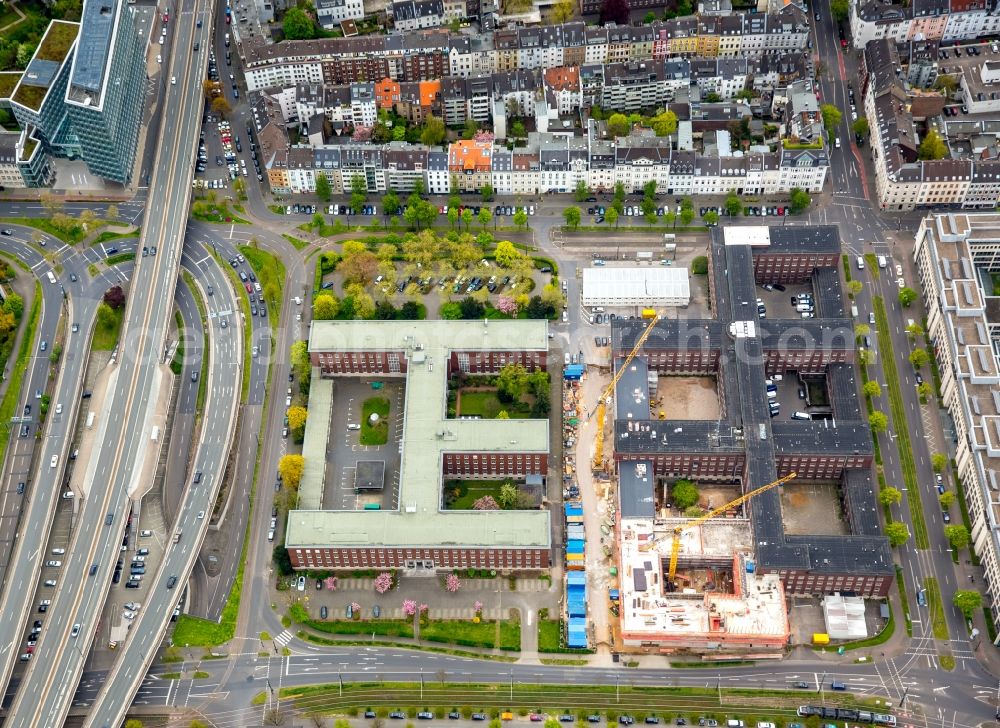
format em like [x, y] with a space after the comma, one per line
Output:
[133, 606]
[43, 606]
[173, 80]
[171, 582]
[76, 630]
[802, 685]
[59, 408]
[6, 231]
[131, 584]
[53, 564]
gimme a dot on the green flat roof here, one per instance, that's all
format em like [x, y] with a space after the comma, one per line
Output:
[57, 41]
[427, 435]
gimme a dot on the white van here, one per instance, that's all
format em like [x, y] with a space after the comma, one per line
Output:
[54, 461]
[801, 416]
[882, 262]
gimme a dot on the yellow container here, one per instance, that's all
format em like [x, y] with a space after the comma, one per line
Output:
[506, 716]
[648, 313]
[821, 638]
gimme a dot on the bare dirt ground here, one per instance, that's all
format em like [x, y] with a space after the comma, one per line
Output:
[687, 398]
[812, 508]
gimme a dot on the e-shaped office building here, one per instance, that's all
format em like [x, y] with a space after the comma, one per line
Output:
[81, 96]
[415, 531]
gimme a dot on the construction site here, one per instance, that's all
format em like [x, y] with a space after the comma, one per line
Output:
[678, 522]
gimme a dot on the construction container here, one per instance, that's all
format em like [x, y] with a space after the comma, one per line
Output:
[821, 638]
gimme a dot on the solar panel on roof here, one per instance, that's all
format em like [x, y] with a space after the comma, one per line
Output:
[984, 361]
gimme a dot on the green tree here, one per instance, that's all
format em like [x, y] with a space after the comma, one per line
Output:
[618, 125]
[611, 216]
[861, 330]
[506, 254]
[453, 216]
[860, 126]
[699, 265]
[939, 461]
[297, 25]
[133, 723]
[711, 218]
[839, 10]
[390, 202]
[946, 499]
[687, 215]
[418, 187]
[485, 216]
[105, 315]
[854, 286]
[919, 358]
[967, 601]
[684, 494]
[572, 216]
[915, 330]
[325, 307]
[486, 192]
[957, 535]
[907, 296]
[467, 216]
[878, 421]
[471, 309]
[322, 187]
[872, 389]
[897, 533]
[925, 390]
[831, 117]
[521, 218]
[946, 84]
[517, 130]
[512, 381]
[733, 204]
[507, 497]
[664, 123]
[581, 191]
[932, 146]
[290, 469]
[798, 199]
[470, 129]
[14, 305]
[434, 131]
[866, 357]
[301, 365]
[889, 496]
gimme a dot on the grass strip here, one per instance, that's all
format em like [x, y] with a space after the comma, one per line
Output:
[901, 583]
[316, 639]
[72, 236]
[203, 312]
[107, 332]
[947, 662]
[902, 426]
[468, 634]
[109, 235]
[244, 305]
[177, 363]
[610, 699]
[120, 258]
[10, 398]
[271, 275]
[935, 607]
[297, 243]
[990, 626]
[871, 260]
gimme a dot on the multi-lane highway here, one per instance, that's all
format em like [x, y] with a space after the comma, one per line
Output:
[125, 440]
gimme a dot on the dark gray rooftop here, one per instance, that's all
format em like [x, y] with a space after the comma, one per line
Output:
[843, 391]
[861, 505]
[668, 335]
[828, 294]
[635, 490]
[804, 239]
[811, 334]
[680, 436]
[822, 437]
[40, 73]
[632, 391]
[93, 50]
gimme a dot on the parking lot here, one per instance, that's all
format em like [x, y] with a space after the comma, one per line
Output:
[778, 301]
[344, 449]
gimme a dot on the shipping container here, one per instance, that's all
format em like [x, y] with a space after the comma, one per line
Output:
[821, 638]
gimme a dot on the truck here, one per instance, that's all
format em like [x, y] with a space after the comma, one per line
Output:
[854, 311]
[644, 255]
[177, 535]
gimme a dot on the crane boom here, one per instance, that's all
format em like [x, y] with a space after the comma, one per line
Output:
[602, 403]
[675, 545]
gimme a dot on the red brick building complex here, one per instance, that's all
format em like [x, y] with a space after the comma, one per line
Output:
[420, 534]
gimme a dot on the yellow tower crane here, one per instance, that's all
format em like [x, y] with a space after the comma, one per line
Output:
[675, 545]
[609, 390]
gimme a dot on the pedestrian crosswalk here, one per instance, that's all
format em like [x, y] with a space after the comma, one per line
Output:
[284, 638]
